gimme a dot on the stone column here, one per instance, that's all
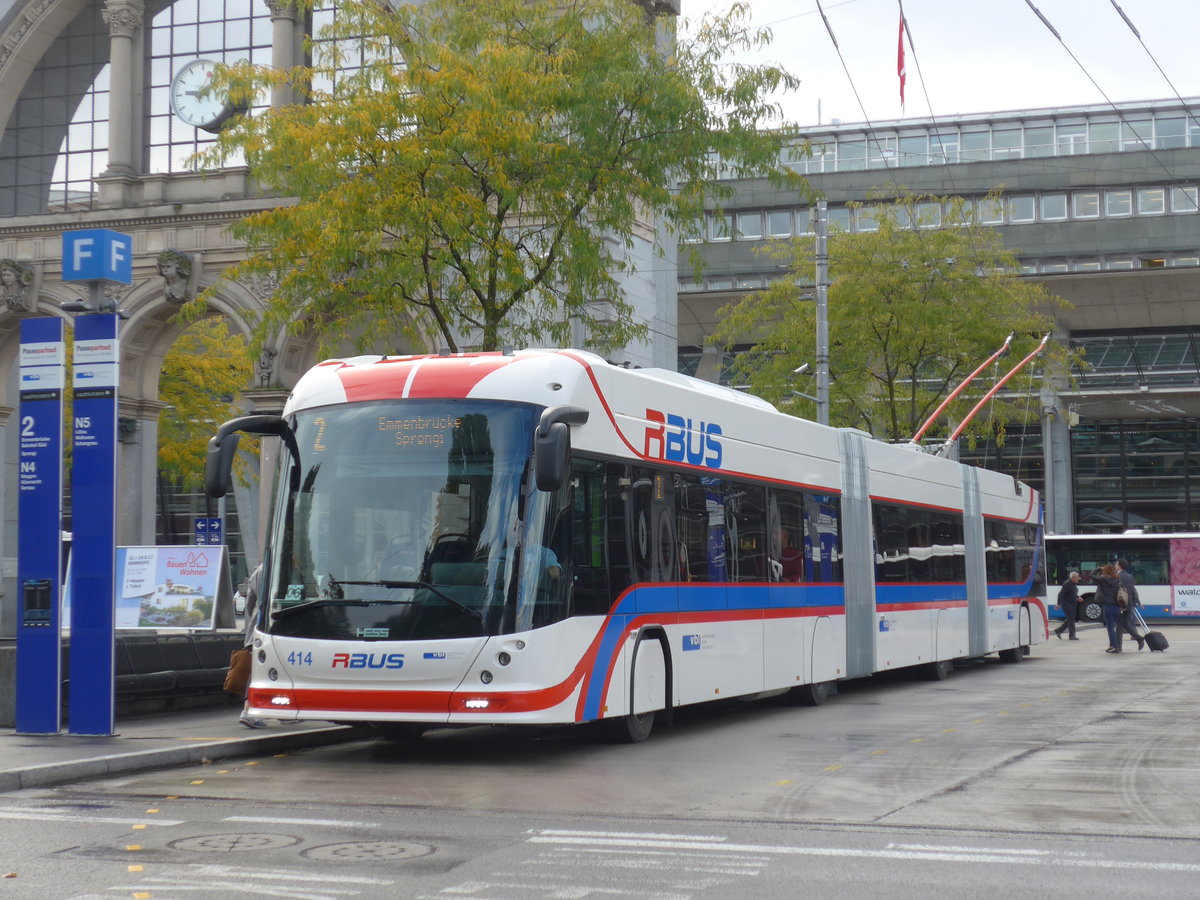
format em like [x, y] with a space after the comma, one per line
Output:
[285, 45]
[137, 467]
[124, 19]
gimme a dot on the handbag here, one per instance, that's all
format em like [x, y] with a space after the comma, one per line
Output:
[238, 675]
[1122, 597]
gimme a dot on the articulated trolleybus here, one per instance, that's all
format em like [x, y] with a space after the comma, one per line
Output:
[546, 538]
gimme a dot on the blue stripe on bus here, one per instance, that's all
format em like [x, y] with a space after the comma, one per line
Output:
[688, 598]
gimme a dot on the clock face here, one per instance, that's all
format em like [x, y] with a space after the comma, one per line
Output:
[207, 111]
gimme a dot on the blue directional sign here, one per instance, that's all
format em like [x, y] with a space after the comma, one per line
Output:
[94, 525]
[97, 254]
[208, 530]
[39, 508]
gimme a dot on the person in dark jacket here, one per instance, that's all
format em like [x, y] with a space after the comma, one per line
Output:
[1106, 595]
[1126, 619]
[1068, 602]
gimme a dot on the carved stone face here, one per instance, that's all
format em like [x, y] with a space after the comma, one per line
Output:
[7, 276]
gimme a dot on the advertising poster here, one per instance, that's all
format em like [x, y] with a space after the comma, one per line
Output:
[1185, 576]
[169, 587]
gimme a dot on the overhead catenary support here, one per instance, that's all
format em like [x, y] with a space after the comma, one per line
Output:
[822, 312]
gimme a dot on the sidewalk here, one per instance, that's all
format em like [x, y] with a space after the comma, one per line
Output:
[152, 741]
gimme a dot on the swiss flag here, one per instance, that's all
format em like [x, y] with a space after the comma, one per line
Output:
[900, 60]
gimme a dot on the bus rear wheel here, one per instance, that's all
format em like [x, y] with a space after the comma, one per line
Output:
[810, 694]
[1090, 610]
[940, 670]
[631, 729]
[1012, 655]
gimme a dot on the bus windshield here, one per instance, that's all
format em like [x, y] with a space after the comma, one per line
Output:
[404, 524]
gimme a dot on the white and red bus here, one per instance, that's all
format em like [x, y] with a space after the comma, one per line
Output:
[544, 537]
[1166, 568]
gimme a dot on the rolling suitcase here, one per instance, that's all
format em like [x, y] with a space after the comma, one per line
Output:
[1155, 640]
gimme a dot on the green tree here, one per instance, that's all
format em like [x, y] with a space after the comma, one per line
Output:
[466, 168]
[202, 376]
[912, 310]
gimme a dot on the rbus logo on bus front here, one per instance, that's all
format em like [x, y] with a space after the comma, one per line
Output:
[677, 439]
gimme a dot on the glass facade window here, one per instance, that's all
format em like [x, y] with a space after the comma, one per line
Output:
[852, 155]
[1151, 201]
[866, 218]
[720, 226]
[1007, 143]
[1085, 205]
[1118, 203]
[839, 218]
[779, 223]
[929, 214]
[882, 152]
[1136, 134]
[1184, 200]
[943, 147]
[1039, 141]
[222, 30]
[1021, 208]
[914, 149]
[1104, 137]
[749, 226]
[1169, 132]
[976, 145]
[1053, 207]
[991, 211]
[46, 163]
[1072, 139]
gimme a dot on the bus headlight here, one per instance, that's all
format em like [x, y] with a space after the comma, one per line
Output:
[485, 676]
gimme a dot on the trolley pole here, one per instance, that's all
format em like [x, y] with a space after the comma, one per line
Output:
[822, 313]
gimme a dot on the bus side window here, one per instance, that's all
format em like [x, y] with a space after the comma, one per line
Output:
[746, 522]
[651, 524]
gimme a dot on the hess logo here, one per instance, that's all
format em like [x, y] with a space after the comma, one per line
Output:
[368, 661]
[683, 440]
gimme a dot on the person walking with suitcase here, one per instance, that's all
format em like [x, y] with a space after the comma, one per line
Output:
[1068, 602]
[1127, 616]
[1107, 583]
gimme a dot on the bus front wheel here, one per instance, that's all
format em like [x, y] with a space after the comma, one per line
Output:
[1090, 610]
[631, 729]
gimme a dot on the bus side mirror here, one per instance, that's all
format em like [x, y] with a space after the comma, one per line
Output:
[552, 445]
[218, 461]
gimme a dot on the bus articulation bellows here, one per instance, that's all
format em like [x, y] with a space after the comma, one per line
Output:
[545, 538]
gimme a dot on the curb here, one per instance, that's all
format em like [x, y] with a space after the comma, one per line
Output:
[57, 773]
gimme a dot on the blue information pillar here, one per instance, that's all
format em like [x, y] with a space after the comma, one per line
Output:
[39, 508]
[93, 525]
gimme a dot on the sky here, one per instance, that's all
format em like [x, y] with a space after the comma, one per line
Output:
[970, 56]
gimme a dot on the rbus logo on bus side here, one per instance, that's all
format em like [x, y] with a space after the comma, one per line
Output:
[680, 440]
[368, 661]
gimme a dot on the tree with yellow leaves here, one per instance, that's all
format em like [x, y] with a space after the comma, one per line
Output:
[465, 168]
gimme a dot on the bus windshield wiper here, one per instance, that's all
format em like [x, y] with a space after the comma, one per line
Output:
[331, 601]
[338, 601]
[421, 584]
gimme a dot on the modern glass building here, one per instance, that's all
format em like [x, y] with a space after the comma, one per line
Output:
[1100, 204]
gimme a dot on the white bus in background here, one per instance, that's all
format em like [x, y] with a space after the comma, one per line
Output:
[547, 538]
[1166, 568]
